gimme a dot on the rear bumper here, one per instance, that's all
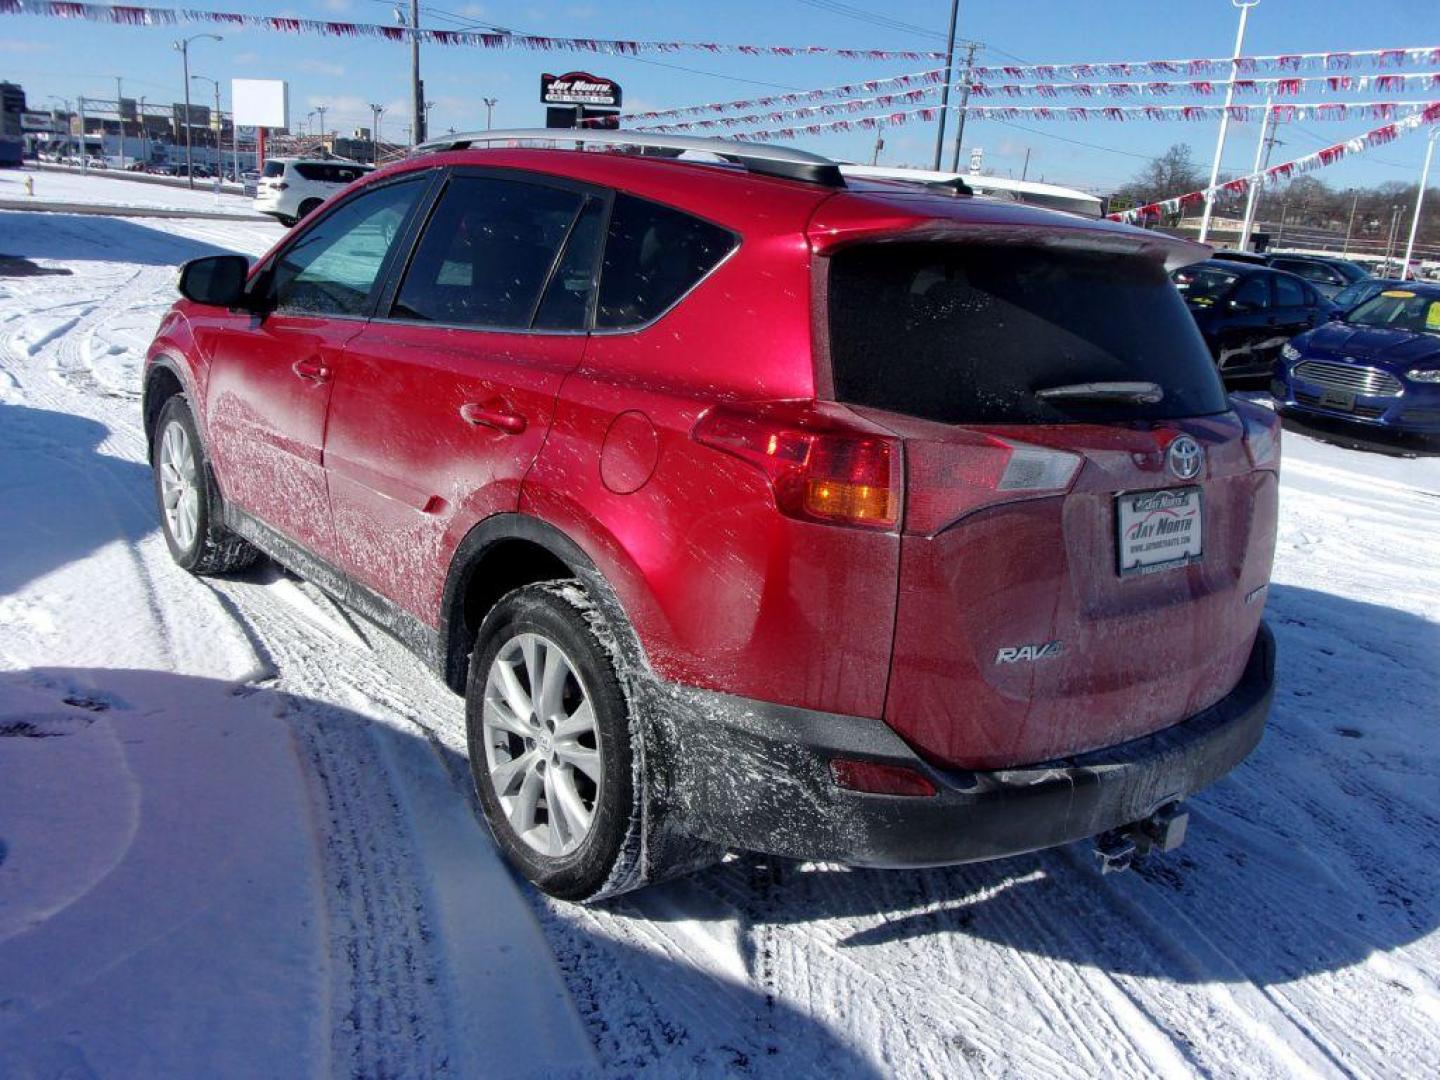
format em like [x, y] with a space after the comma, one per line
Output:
[756, 776]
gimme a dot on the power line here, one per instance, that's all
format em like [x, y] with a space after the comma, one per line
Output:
[874, 18]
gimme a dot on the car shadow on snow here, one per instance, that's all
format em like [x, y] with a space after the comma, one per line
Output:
[1311, 857]
[96, 238]
[187, 861]
[1357, 437]
[59, 493]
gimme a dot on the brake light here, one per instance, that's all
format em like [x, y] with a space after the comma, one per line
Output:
[280, 186]
[1262, 434]
[821, 468]
[973, 469]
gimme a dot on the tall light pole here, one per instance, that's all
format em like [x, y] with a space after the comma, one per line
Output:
[1262, 162]
[490, 104]
[184, 46]
[1419, 202]
[375, 111]
[1244, 6]
[428, 106]
[945, 86]
[120, 116]
[1350, 227]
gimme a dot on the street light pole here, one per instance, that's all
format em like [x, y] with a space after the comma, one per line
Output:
[184, 46]
[945, 86]
[1262, 160]
[375, 111]
[1244, 6]
[490, 104]
[1419, 202]
[1350, 228]
[120, 116]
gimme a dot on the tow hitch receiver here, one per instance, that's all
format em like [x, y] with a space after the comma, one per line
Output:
[1164, 830]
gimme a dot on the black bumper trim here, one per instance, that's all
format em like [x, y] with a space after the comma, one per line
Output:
[756, 776]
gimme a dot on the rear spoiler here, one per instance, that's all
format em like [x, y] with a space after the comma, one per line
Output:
[848, 219]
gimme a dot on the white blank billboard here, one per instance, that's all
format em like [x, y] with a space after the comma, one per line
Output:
[261, 102]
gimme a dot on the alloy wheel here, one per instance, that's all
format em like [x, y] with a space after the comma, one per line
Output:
[179, 484]
[542, 744]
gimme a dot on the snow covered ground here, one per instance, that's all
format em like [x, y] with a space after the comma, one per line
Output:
[235, 833]
[101, 188]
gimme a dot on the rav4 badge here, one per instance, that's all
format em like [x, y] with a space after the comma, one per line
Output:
[1014, 654]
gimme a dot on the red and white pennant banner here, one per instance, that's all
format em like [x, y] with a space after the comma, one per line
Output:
[919, 78]
[1244, 65]
[1375, 110]
[1328, 155]
[1323, 110]
[1283, 87]
[153, 16]
[828, 108]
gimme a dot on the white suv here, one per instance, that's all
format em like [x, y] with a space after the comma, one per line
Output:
[290, 188]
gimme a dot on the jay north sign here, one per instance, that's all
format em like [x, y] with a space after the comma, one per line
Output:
[579, 88]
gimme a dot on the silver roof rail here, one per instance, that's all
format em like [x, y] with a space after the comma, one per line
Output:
[782, 161]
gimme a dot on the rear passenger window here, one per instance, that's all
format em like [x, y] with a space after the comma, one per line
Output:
[1288, 292]
[1254, 292]
[566, 304]
[653, 256]
[487, 253]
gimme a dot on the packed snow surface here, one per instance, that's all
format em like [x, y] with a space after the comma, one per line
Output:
[103, 187]
[236, 838]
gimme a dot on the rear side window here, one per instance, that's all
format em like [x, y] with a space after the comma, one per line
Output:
[967, 334]
[653, 256]
[487, 253]
[1253, 293]
[1289, 292]
[274, 168]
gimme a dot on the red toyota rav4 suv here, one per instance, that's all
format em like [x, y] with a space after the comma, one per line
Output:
[749, 506]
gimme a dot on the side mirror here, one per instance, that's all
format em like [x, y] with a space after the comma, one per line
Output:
[217, 280]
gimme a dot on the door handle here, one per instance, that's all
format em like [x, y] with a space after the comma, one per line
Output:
[492, 416]
[313, 369]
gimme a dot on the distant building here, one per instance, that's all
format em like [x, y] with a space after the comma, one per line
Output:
[12, 132]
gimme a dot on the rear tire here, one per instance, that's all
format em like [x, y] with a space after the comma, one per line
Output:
[308, 207]
[187, 498]
[550, 737]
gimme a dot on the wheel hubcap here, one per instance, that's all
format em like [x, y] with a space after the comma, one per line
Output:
[542, 744]
[179, 490]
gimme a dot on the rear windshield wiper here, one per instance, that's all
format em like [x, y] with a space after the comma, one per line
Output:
[1138, 393]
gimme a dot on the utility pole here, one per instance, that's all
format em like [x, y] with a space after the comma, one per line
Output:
[428, 106]
[879, 142]
[1419, 202]
[970, 47]
[183, 45]
[144, 135]
[945, 86]
[1026, 170]
[490, 104]
[417, 85]
[1266, 144]
[120, 115]
[322, 110]
[1244, 6]
[1390, 243]
[84, 150]
[1350, 228]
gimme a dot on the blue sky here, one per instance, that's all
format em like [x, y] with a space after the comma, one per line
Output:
[70, 58]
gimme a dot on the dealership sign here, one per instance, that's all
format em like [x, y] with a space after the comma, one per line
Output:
[579, 88]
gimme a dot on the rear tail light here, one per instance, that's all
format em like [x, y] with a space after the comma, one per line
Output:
[821, 468]
[1262, 434]
[876, 778]
[280, 186]
[972, 469]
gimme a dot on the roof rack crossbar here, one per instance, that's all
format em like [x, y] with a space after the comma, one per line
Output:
[781, 161]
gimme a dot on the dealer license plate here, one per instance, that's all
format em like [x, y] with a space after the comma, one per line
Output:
[1340, 400]
[1157, 530]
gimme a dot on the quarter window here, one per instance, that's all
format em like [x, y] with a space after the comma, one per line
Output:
[653, 256]
[331, 269]
[487, 253]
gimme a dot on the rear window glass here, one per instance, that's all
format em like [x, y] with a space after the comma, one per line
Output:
[653, 256]
[968, 334]
[1203, 285]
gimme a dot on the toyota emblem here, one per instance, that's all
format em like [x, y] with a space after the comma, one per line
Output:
[1185, 457]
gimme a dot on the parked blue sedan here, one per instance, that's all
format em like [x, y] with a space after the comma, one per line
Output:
[1378, 365]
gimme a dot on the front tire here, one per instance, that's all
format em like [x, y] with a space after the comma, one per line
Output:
[187, 499]
[550, 732]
